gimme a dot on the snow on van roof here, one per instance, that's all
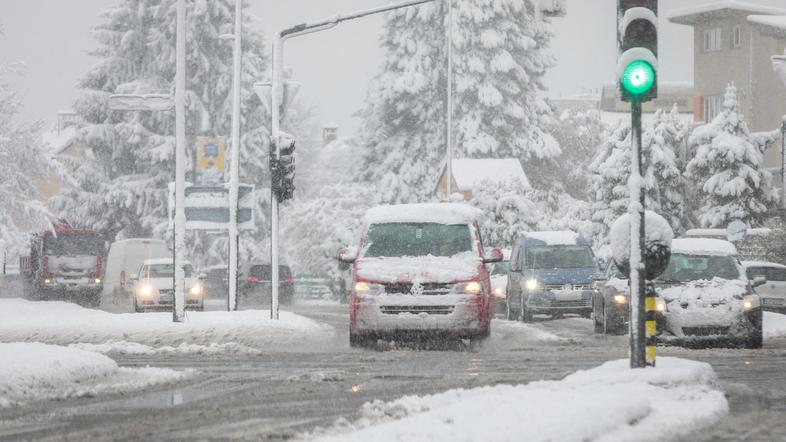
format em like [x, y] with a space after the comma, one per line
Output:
[702, 246]
[747, 264]
[555, 238]
[440, 213]
[159, 261]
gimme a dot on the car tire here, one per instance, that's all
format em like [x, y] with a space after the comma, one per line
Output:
[137, 309]
[526, 316]
[358, 341]
[755, 341]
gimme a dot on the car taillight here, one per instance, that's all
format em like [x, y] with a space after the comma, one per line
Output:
[123, 278]
[252, 279]
[288, 280]
[45, 265]
[97, 274]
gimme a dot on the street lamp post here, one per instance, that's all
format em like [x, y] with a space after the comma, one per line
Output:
[277, 96]
[178, 314]
[449, 135]
[234, 172]
[779, 66]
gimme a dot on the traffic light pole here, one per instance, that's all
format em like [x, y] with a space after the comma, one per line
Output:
[638, 356]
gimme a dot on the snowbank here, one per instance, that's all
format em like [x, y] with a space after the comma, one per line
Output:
[774, 325]
[35, 371]
[64, 323]
[610, 402]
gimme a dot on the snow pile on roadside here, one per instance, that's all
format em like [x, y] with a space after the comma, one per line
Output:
[529, 332]
[35, 371]
[64, 323]
[607, 403]
[774, 325]
[133, 348]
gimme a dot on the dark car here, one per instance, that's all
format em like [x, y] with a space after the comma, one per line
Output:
[216, 281]
[551, 273]
[254, 287]
[611, 302]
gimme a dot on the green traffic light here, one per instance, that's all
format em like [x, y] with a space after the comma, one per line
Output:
[638, 78]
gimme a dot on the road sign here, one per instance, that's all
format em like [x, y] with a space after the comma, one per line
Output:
[207, 207]
[210, 153]
[736, 231]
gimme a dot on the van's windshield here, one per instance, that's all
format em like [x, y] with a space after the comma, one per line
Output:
[558, 257]
[417, 239]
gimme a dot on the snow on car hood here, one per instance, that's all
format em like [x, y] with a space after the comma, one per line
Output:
[703, 303]
[705, 292]
[437, 269]
[564, 276]
[71, 264]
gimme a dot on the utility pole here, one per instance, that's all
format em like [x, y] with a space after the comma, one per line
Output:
[234, 168]
[178, 314]
[449, 135]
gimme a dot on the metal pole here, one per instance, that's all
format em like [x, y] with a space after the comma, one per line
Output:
[276, 97]
[638, 357]
[178, 314]
[234, 168]
[783, 165]
[449, 136]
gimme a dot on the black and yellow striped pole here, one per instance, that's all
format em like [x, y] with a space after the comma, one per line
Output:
[651, 339]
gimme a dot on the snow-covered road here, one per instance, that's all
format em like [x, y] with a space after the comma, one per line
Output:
[276, 394]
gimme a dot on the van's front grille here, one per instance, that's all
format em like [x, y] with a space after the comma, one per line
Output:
[427, 289]
[417, 309]
[705, 331]
[567, 304]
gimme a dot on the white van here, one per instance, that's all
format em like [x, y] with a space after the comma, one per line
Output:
[125, 259]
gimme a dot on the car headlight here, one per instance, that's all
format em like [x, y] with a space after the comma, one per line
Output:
[97, 281]
[47, 281]
[531, 284]
[366, 288]
[660, 305]
[750, 302]
[145, 290]
[499, 292]
[196, 290]
[620, 298]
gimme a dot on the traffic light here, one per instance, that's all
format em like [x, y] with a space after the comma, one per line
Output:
[282, 167]
[637, 35]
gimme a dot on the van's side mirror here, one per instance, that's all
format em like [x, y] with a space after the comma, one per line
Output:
[134, 277]
[493, 255]
[202, 275]
[346, 255]
[759, 280]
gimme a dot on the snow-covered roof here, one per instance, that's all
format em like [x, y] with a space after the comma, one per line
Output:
[555, 238]
[692, 15]
[702, 246]
[469, 173]
[773, 25]
[721, 233]
[440, 213]
[747, 264]
[58, 142]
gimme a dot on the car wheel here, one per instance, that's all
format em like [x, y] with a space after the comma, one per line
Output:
[526, 316]
[136, 306]
[599, 320]
[755, 341]
[358, 341]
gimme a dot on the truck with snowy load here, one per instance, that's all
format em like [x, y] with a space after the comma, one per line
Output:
[65, 264]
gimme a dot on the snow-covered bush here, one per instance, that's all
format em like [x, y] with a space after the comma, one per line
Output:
[727, 169]
[499, 102]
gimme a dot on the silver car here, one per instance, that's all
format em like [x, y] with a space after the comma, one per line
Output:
[771, 280]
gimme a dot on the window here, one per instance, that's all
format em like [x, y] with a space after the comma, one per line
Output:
[736, 36]
[712, 40]
[417, 239]
[712, 107]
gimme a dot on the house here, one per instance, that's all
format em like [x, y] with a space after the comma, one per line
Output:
[62, 144]
[733, 42]
[467, 174]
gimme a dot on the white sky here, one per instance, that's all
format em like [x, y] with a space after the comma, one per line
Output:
[335, 66]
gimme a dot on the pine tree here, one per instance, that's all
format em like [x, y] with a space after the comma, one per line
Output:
[24, 162]
[610, 172]
[727, 169]
[499, 65]
[508, 211]
[578, 132]
[122, 182]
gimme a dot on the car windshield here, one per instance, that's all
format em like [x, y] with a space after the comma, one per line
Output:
[770, 273]
[558, 257]
[687, 268]
[166, 270]
[73, 245]
[417, 239]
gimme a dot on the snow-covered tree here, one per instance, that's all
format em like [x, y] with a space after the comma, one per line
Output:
[727, 169]
[122, 181]
[508, 211]
[579, 132]
[610, 195]
[25, 162]
[499, 108]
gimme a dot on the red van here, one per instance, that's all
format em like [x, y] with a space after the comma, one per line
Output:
[420, 272]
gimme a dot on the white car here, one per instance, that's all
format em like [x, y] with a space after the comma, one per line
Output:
[499, 284]
[153, 286]
[772, 279]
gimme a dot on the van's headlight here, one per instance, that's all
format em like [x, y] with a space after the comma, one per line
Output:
[196, 290]
[367, 288]
[531, 284]
[97, 281]
[466, 288]
[499, 292]
[750, 302]
[660, 305]
[620, 298]
[145, 290]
